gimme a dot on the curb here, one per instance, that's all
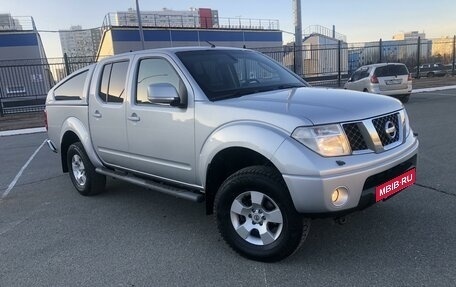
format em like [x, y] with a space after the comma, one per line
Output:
[22, 132]
[433, 89]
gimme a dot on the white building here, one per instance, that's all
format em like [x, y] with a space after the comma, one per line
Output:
[77, 42]
[321, 56]
[8, 23]
[412, 35]
[192, 18]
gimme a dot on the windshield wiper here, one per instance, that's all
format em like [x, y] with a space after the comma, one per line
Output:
[289, 86]
[254, 90]
[236, 94]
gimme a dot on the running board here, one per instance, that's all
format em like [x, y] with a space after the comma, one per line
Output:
[160, 187]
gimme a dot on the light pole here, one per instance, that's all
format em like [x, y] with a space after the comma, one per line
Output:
[141, 32]
[298, 36]
[294, 49]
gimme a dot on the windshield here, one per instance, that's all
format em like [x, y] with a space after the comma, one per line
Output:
[224, 74]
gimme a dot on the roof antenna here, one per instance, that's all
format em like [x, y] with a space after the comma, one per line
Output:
[212, 45]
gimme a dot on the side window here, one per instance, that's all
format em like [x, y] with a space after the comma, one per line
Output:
[364, 74]
[72, 89]
[356, 76]
[156, 71]
[103, 93]
[112, 87]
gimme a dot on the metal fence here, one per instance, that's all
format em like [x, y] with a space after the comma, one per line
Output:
[24, 83]
[331, 64]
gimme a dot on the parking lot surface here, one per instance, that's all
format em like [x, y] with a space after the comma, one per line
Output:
[129, 236]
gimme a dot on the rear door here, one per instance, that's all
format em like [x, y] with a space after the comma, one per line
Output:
[107, 112]
[357, 81]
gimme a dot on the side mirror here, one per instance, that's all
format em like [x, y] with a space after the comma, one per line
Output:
[163, 94]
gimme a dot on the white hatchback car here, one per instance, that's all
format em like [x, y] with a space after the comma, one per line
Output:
[390, 79]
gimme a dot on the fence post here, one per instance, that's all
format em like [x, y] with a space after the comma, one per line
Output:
[294, 57]
[380, 44]
[67, 65]
[454, 53]
[339, 53]
[418, 58]
[1, 103]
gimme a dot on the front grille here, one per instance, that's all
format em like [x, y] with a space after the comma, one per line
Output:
[355, 138]
[380, 125]
[375, 134]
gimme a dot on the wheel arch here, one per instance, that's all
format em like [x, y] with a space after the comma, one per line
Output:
[74, 130]
[235, 147]
[226, 163]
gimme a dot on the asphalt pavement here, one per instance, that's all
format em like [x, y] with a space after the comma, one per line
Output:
[129, 236]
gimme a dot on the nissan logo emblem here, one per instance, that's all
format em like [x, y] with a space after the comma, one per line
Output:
[390, 129]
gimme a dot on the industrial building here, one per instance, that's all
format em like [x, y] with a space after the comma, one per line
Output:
[24, 74]
[196, 27]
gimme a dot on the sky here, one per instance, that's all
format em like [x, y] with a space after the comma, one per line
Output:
[360, 21]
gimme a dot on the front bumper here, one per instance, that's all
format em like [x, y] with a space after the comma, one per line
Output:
[360, 175]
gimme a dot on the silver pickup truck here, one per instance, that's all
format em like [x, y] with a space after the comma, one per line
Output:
[231, 127]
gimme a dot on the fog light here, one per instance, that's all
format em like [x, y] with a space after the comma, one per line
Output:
[335, 195]
[339, 196]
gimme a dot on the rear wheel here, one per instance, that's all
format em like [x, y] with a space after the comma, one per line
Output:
[405, 98]
[256, 216]
[82, 172]
[430, 74]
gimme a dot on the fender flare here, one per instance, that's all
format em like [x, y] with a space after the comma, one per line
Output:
[259, 137]
[76, 126]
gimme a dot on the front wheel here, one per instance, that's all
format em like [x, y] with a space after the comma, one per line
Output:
[256, 216]
[82, 172]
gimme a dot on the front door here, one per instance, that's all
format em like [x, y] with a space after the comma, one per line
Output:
[161, 137]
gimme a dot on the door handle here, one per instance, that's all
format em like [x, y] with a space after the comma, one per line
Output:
[134, 118]
[97, 114]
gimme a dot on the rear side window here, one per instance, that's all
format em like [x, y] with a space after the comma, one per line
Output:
[112, 88]
[71, 89]
[391, 70]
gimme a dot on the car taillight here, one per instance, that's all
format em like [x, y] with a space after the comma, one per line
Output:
[45, 120]
[374, 79]
[409, 77]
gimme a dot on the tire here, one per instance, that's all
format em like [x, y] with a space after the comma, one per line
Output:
[405, 99]
[82, 172]
[430, 74]
[256, 216]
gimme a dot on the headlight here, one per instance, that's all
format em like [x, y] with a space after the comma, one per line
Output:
[405, 123]
[329, 140]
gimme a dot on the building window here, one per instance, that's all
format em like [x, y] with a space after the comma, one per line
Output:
[15, 90]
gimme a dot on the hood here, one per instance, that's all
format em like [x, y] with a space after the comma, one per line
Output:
[318, 105]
